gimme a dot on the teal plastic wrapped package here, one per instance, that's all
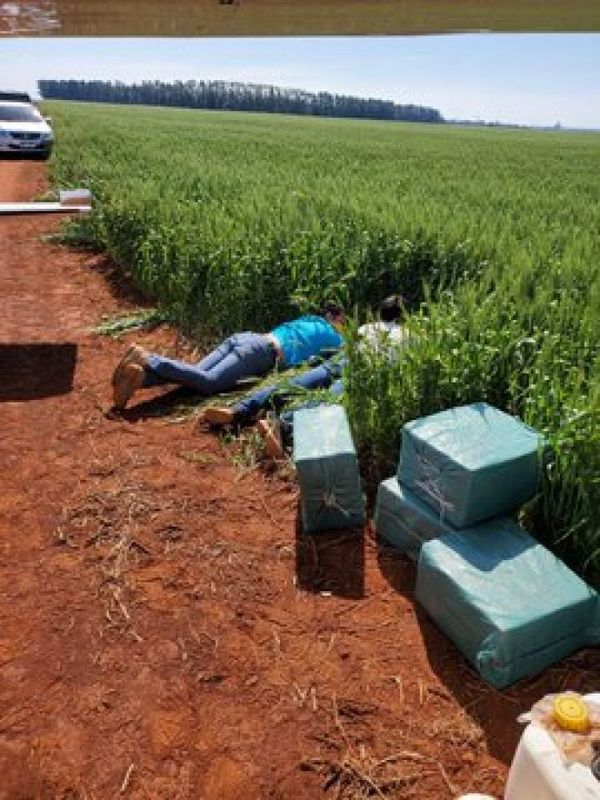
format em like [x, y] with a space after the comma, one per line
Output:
[507, 603]
[403, 520]
[470, 463]
[327, 469]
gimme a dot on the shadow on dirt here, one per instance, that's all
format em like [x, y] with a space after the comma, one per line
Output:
[22, 155]
[494, 711]
[120, 285]
[331, 562]
[34, 371]
[181, 400]
[172, 403]
[399, 571]
[482, 705]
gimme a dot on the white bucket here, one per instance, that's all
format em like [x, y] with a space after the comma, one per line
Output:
[538, 771]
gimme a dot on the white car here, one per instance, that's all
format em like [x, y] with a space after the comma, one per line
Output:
[24, 131]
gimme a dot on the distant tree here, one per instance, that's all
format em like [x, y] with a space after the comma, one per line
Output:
[235, 97]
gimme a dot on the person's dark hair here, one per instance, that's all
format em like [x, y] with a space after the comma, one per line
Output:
[392, 309]
[334, 309]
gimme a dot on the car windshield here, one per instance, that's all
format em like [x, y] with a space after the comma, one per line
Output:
[19, 114]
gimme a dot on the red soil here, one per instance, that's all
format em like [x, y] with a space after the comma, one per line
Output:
[165, 632]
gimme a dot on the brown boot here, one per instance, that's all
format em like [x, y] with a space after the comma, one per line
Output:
[271, 433]
[219, 415]
[135, 355]
[131, 378]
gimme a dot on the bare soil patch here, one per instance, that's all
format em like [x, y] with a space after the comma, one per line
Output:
[165, 631]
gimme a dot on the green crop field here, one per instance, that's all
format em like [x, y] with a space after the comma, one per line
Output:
[235, 221]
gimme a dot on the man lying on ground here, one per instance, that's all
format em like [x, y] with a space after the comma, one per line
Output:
[383, 333]
[278, 430]
[242, 355]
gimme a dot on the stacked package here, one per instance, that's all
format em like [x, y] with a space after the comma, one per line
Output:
[509, 605]
[403, 520]
[470, 463]
[457, 467]
[327, 469]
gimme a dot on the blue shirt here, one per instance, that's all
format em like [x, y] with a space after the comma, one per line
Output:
[305, 337]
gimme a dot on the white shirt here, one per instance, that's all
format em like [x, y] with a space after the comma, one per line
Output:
[377, 334]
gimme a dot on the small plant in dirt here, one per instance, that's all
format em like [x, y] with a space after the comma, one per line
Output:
[246, 449]
[146, 319]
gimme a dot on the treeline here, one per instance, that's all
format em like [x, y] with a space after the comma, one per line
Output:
[227, 96]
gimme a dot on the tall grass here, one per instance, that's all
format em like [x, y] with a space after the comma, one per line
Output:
[236, 221]
[469, 347]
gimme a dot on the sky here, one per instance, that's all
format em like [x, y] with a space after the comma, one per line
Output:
[530, 79]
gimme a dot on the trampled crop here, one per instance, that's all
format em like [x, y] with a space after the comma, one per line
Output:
[235, 221]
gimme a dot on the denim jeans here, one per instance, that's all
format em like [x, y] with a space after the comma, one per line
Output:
[320, 377]
[240, 356]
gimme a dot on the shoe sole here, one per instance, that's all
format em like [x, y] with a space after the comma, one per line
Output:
[118, 373]
[219, 416]
[273, 447]
[132, 379]
[135, 355]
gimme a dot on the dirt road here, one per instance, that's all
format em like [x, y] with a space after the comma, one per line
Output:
[164, 630]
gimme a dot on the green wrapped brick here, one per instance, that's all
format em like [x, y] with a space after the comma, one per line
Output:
[507, 603]
[470, 463]
[327, 469]
[403, 520]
